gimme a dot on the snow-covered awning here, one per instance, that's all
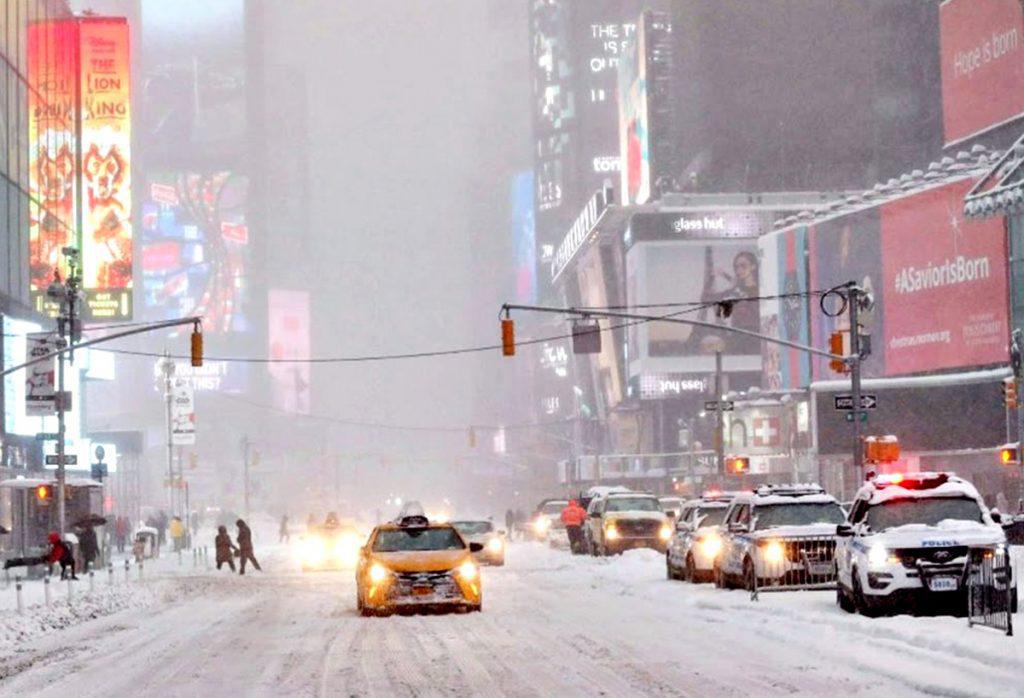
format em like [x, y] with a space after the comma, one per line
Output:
[1001, 190]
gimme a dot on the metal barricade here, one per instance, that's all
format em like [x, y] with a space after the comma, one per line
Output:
[991, 589]
[790, 563]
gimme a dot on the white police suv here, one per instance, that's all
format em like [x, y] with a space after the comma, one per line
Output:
[779, 536]
[905, 545]
[698, 537]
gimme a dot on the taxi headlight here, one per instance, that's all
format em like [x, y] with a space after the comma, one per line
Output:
[877, 555]
[494, 545]
[711, 545]
[468, 571]
[610, 532]
[378, 573]
[542, 524]
[774, 553]
[665, 532]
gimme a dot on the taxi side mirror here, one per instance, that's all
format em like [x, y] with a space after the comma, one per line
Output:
[996, 516]
[671, 514]
[476, 547]
[844, 530]
[595, 515]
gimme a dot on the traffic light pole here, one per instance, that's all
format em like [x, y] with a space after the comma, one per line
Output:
[855, 363]
[719, 416]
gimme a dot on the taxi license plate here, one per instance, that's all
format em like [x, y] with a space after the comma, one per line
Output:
[422, 591]
[943, 584]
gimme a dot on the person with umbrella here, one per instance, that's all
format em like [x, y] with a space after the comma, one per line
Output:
[88, 546]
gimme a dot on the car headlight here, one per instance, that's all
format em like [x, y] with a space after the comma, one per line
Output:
[378, 573]
[774, 553]
[468, 571]
[347, 548]
[610, 532]
[313, 550]
[665, 532]
[494, 545]
[877, 555]
[711, 545]
[542, 524]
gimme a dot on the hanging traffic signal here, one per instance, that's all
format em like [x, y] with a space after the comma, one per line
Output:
[881, 449]
[738, 465]
[197, 348]
[837, 346]
[44, 493]
[1010, 393]
[508, 337]
[1009, 454]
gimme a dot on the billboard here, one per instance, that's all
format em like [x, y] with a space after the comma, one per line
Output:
[634, 124]
[702, 272]
[81, 61]
[784, 273]
[982, 50]
[289, 336]
[41, 377]
[195, 249]
[938, 280]
[183, 412]
[524, 238]
[52, 53]
[945, 280]
[106, 167]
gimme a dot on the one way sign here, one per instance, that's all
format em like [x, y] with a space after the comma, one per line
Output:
[845, 402]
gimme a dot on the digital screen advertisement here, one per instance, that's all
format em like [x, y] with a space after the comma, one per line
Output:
[634, 124]
[784, 273]
[982, 45]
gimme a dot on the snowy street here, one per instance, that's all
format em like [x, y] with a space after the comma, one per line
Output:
[552, 625]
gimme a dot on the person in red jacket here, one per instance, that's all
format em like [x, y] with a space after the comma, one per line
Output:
[573, 517]
[60, 552]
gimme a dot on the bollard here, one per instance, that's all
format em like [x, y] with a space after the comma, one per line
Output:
[92, 582]
[110, 574]
[179, 557]
[46, 589]
[126, 565]
[140, 570]
[195, 558]
[71, 591]
[17, 590]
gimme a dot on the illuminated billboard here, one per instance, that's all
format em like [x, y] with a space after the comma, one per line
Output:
[195, 249]
[83, 61]
[289, 337]
[634, 124]
[982, 65]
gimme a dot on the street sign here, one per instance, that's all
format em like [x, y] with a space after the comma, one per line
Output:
[845, 402]
[47, 436]
[863, 416]
[712, 406]
[69, 459]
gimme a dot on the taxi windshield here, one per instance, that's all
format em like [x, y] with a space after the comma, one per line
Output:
[925, 510]
[413, 539]
[632, 504]
[711, 517]
[473, 528]
[771, 515]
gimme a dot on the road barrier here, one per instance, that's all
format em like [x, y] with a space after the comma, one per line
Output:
[991, 589]
[791, 563]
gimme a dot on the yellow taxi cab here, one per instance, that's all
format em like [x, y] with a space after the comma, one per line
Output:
[414, 563]
[333, 545]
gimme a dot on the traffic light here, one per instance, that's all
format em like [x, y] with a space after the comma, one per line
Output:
[1010, 393]
[1009, 454]
[197, 348]
[837, 346]
[508, 337]
[881, 449]
[737, 465]
[44, 493]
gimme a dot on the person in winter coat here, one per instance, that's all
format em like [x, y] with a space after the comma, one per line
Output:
[121, 532]
[59, 552]
[245, 547]
[177, 531]
[225, 548]
[573, 517]
[88, 546]
[283, 535]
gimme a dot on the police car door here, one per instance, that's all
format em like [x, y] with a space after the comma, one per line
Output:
[737, 540]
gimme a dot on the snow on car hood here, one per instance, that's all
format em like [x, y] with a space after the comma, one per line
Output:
[946, 533]
[635, 516]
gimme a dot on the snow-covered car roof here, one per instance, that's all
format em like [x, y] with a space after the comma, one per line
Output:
[606, 490]
[786, 494]
[709, 503]
[916, 486]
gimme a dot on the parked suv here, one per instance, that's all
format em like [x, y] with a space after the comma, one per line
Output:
[697, 541]
[907, 541]
[626, 520]
[779, 535]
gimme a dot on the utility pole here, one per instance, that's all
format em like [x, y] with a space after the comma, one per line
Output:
[719, 416]
[855, 361]
[167, 367]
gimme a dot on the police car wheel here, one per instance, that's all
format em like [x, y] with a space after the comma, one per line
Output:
[690, 571]
[843, 599]
[860, 603]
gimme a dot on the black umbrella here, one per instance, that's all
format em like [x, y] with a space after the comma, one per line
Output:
[91, 520]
